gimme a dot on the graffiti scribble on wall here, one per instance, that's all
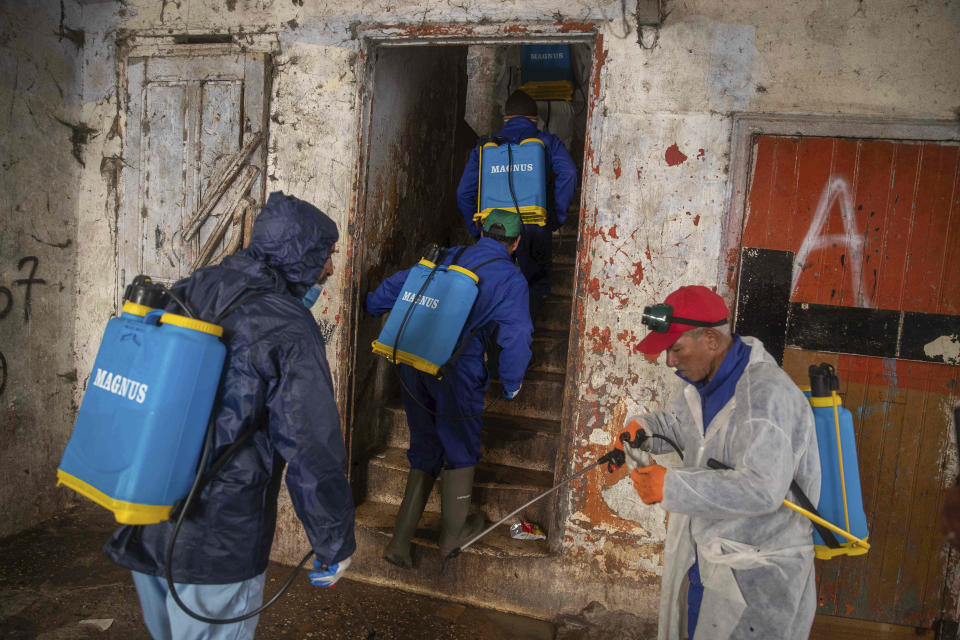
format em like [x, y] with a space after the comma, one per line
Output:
[6, 304]
[836, 190]
[28, 283]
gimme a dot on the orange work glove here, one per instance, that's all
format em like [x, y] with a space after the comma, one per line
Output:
[631, 430]
[648, 481]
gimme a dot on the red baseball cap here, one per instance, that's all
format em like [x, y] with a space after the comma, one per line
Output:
[692, 303]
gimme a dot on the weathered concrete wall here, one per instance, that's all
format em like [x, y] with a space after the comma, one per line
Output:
[658, 184]
[657, 172]
[42, 137]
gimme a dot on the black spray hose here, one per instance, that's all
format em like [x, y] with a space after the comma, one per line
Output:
[434, 413]
[199, 480]
[802, 500]
[180, 301]
[396, 342]
[513, 194]
[181, 516]
[669, 442]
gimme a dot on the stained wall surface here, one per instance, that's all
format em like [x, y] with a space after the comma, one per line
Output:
[657, 176]
[42, 144]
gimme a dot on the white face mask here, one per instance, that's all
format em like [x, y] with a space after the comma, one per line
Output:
[311, 296]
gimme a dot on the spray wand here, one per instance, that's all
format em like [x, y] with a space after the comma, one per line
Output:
[614, 459]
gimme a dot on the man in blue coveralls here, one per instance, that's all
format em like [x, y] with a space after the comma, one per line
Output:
[535, 251]
[442, 442]
[276, 401]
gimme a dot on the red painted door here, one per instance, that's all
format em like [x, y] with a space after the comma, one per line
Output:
[873, 228]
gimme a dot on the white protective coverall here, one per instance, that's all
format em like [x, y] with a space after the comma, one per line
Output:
[756, 555]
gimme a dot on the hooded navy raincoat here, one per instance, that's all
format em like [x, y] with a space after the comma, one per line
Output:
[276, 380]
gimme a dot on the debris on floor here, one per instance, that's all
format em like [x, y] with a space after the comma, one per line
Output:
[100, 624]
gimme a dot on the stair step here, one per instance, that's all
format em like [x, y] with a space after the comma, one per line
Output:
[507, 440]
[497, 489]
[561, 282]
[540, 396]
[380, 517]
[549, 351]
[498, 572]
[569, 229]
[564, 254]
[555, 313]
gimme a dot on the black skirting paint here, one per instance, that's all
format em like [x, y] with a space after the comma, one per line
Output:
[764, 311]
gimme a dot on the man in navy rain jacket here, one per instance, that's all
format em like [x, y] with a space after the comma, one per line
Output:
[535, 252]
[275, 380]
[440, 440]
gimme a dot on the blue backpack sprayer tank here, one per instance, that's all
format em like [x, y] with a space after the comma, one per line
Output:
[142, 440]
[424, 327]
[138, 435]
[425, 322]
[500, 161]
[840, 497]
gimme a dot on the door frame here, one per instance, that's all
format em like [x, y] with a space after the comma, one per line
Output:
[746, 126]
[372, 38]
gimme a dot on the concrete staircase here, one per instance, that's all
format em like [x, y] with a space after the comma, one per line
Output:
[520, 440]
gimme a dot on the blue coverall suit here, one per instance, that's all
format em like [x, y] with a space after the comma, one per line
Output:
[714, 394]
[500, 312]
[535, 253]
[276, 380]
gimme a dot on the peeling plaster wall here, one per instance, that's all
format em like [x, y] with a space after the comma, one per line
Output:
[657, 185]
[42, 141]
[656, 175]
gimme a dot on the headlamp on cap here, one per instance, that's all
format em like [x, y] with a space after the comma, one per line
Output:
[660, 316]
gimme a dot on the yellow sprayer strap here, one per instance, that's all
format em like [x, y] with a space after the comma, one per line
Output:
[479, 185]
[843, 482]
[529, 214]
[829, 525]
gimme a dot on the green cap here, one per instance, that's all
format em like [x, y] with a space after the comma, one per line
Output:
[509, 220]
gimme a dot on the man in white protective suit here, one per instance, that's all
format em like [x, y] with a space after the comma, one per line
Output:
[738, 563]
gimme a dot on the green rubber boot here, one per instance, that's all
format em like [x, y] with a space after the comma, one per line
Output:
[459, 525]
[419, 484]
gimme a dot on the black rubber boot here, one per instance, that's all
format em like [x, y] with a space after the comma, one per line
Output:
[419, 484]
[459, 525]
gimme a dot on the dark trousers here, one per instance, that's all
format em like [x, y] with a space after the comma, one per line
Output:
[437, 441]
[535, 258]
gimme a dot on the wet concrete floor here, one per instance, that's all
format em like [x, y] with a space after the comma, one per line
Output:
[54, 577]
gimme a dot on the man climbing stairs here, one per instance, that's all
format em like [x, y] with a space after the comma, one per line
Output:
[520, 444]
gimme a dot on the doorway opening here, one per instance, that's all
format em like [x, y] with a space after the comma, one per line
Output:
[428, 107]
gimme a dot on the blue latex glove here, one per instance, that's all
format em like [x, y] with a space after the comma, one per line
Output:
[326, 576]
[510, 395]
